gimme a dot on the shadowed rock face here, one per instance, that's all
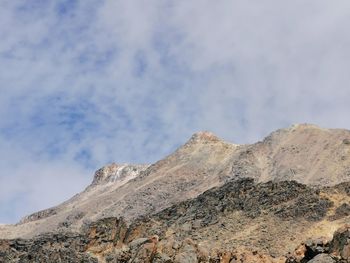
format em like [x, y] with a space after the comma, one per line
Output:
[209, 200]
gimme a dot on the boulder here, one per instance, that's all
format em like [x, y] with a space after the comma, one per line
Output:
[340, 244]
[322, 258]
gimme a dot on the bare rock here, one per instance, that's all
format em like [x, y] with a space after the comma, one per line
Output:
[322, 258]
[187, 253]
[340, 245]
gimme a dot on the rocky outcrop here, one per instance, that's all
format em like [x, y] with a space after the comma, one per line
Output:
[109, 240]
[114, 172]
[241, 221]
[340, 245]
[325, 251]
[46, 248]
[38, 215]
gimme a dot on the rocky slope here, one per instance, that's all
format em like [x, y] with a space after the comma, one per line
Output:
[241, 221]
[209, 196]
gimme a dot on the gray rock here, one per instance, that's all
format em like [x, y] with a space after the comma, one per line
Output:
[162, 258]
[188, 254]
[138, 242]
[322, 258]
[186, 257]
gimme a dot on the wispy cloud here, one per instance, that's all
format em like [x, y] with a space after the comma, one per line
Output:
[84, 83]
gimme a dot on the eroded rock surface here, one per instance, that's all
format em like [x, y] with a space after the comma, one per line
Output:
[241, 221]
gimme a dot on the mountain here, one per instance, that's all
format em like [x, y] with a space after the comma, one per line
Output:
[208, 199]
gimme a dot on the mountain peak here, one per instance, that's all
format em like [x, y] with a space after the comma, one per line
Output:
[304, 126]
[117, 172]
[204, 136]
[298, 130]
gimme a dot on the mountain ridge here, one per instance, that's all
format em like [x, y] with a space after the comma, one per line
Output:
[303, 152]
[300, 157]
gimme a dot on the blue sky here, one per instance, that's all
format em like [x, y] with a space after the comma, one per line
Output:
[85, 83]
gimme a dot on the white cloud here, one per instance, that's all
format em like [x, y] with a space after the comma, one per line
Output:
[83, 83]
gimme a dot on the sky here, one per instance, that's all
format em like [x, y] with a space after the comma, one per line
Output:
[90, 82]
